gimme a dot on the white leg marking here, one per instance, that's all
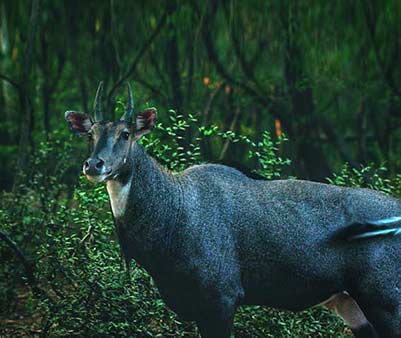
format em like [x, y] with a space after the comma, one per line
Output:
[347, 308]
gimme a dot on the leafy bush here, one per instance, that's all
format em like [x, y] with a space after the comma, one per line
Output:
[87, 290]
[369, 177]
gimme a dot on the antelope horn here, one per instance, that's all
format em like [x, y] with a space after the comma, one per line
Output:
[129, 112]
[97, 106]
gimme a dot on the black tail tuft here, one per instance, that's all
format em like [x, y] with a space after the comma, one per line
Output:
[357, 231]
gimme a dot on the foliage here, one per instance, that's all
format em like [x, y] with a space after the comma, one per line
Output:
[165, 145]
[266, 152]
[370, 176]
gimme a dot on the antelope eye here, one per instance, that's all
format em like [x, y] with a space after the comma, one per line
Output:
[125, 135]
[90, 135]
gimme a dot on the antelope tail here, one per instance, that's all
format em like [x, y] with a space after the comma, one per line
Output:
[383, 227]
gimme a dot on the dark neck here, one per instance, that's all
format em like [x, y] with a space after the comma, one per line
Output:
[152, 204]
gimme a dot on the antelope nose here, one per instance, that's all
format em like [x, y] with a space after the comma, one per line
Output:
[93, 166]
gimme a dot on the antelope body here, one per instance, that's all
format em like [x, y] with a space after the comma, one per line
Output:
[214, 239]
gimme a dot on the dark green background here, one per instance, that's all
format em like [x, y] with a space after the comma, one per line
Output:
[328, 70]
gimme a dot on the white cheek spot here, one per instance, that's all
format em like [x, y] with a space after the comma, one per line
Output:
[118, 194]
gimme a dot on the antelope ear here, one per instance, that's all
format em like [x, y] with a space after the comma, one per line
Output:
[80, 123]
[145, 121]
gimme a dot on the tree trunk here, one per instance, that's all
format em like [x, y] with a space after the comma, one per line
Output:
[26, 109]
[45, 88]
[304, 130]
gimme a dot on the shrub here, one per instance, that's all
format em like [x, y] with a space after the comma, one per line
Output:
[370, 176]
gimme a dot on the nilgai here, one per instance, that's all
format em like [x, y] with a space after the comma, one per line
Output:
[214, 239]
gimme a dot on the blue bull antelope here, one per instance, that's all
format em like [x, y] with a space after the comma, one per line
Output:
[214, 239]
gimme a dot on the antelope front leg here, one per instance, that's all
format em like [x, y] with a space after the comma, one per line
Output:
[217, 322]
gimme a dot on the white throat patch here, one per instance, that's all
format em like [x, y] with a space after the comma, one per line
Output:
[118, 194]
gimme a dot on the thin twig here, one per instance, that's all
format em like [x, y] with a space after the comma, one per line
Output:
[232, 127]
[209, 102]
[88, 233]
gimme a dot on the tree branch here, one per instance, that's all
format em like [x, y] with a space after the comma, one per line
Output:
[169, 10]
[10, 81]
[28, 266]
[156, 91]
[113, 28]
[262, 99]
